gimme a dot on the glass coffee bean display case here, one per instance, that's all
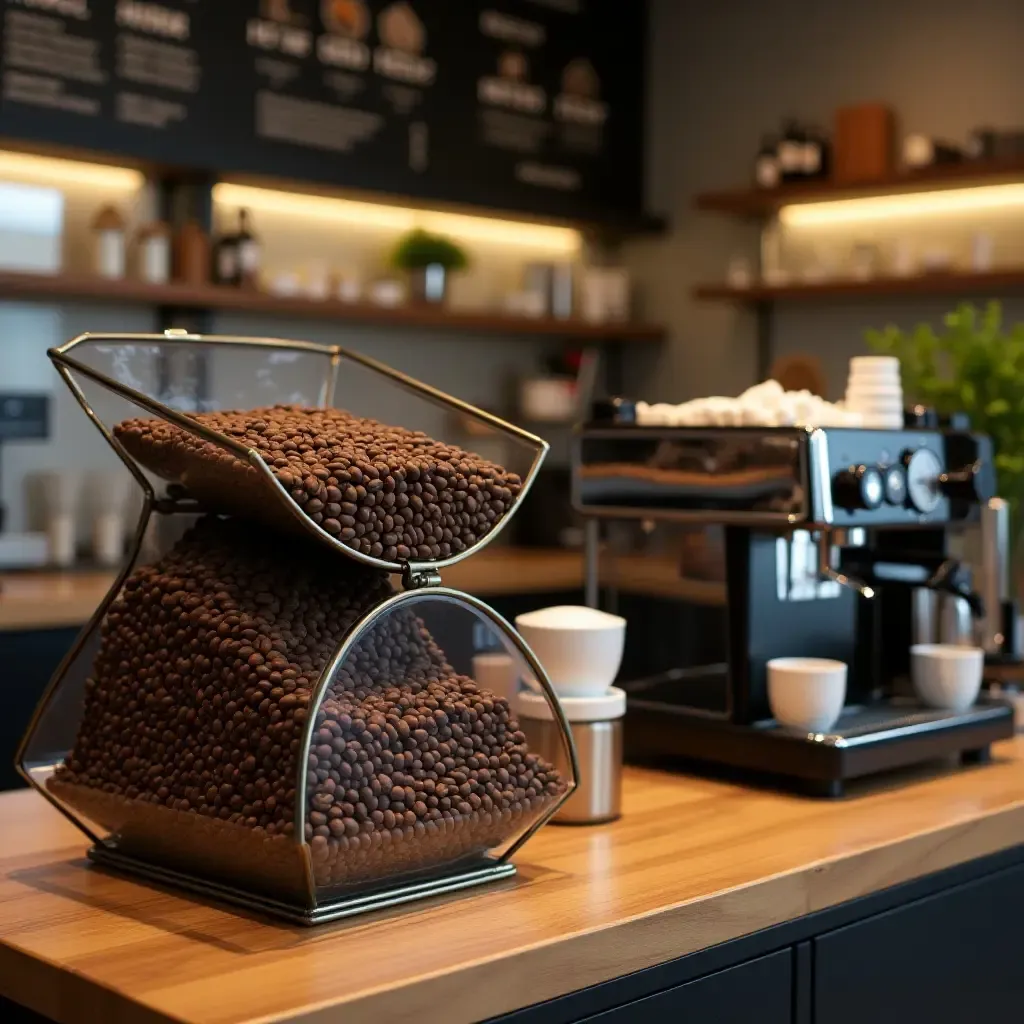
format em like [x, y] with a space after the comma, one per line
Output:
[275, 703]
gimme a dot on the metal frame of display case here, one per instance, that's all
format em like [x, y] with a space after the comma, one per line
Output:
[67, 365]
[421, 580]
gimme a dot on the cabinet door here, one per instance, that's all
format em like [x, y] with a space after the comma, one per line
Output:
[948, 959]
[760, 990]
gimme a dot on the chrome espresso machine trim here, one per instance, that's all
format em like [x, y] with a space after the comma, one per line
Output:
[850, 523]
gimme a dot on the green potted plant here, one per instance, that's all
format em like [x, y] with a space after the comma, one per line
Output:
[428, 260]
[973, 365]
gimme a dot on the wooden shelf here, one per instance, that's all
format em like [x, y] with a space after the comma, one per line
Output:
[959, 283]
[755, 202]
[195, 297]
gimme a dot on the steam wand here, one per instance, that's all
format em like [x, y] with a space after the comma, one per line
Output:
[828, 572]
[863, 571]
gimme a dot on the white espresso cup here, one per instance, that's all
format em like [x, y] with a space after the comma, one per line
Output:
[580, 648]
[806, 693]
[947, 676]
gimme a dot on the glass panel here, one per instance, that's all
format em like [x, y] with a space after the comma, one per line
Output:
[176, 734]
[691, 472]
[195, 376]
[390, 494]
[366, 392]
[413, 768]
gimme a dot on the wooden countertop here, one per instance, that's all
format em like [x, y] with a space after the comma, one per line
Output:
[50, 600]
[691, 864]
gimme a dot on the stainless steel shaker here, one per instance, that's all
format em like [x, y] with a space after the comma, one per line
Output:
[596, 724]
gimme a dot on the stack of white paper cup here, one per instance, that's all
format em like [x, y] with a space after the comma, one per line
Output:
[875, 391]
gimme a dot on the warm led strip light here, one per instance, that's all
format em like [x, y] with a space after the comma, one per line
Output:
[37, 169]
[400, 218]
[913, 204]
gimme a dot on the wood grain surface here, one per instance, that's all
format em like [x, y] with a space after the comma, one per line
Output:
[759, 202]
[452, 322]
[954, 282]
[692, 863]
[50, 600]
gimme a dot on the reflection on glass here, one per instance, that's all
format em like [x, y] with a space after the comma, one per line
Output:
[696, 470]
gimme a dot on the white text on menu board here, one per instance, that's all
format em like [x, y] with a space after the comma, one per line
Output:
[340, 52]
[269, 35]
[581, 110]
[68, 8]
[504, 92]
[336, 51]
[404, 67]
[153, 18]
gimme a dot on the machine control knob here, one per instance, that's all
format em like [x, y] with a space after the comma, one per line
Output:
[859, 487]
[894, 484]
[974, 483]
[923, 468]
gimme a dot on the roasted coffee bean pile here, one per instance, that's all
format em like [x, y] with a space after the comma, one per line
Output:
[434, 763]
[386, 491]
[201, 692]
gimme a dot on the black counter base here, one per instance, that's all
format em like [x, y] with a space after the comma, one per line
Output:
[941, 949]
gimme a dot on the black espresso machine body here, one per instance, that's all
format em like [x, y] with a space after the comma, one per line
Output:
[814, 567]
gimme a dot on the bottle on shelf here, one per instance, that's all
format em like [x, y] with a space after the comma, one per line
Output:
[225, 260]
[817, 155]
[986, 143]
[920, 151]
[191, 254]
[250, 252]
[110, 246]
[981, 144]
[766, 165]
[790, 152]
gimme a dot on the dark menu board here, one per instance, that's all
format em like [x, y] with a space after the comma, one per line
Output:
[533, 105]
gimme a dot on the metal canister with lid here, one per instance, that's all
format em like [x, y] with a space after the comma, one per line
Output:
[596, 724]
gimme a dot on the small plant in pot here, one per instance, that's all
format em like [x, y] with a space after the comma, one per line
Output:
[428, 260]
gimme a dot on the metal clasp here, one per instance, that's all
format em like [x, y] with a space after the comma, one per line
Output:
[417, 577]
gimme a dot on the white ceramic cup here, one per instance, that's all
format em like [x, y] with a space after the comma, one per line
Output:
[885, 391]
[875, 363]
[580, 648]
[874, 378]
[879, 375]
[947, 676]
[806, 693]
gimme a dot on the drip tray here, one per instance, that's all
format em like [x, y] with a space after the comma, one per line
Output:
[897, 717]
[867, 739]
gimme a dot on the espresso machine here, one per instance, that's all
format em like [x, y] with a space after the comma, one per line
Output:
[822, 559]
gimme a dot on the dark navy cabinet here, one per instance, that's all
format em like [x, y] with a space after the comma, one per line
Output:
[760, 990]
[942, 949]
[947, 959]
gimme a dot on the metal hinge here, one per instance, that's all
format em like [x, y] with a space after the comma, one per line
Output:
[415, 578]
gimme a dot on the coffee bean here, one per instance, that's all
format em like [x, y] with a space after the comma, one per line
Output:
[338, 468]
[197, 703]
